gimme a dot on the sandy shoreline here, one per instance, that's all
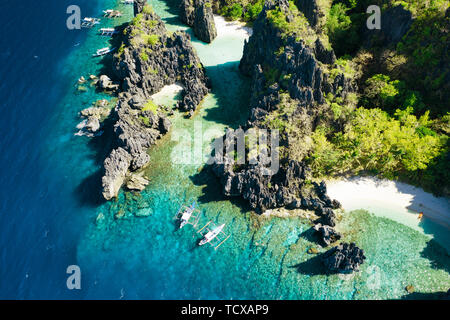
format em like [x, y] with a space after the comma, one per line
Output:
[397, 201]
[234, 28]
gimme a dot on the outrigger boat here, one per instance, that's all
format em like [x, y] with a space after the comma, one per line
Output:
[89, 22]
[185, 214]
[103, 51]
[107, 31]
[110, 13]
[128, 1]
[212, 236]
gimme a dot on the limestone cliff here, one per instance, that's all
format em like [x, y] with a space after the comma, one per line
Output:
[289, 64]
[148, 59]
[199, 15]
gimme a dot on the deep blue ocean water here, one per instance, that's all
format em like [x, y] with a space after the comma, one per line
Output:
[40, 216]
[50, 200]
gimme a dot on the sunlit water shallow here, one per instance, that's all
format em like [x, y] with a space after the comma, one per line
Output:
[265, 258]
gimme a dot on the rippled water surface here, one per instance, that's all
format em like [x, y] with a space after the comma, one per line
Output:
[54, 219]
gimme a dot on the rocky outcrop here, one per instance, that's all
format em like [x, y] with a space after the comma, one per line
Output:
[344, 258]
[93, 118]
[138, 6]
[105, 83]
[327, 234]
[136, 182]
[199, 15]
[286, 69]
[311, 10]
[149, 58]
[116, 168]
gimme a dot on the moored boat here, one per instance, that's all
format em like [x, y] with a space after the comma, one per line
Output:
[102, 52]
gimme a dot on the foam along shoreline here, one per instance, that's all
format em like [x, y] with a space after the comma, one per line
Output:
[397, 201]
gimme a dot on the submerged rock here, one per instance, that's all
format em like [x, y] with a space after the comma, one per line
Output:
[137, 182]
[199, 15]
[344, 258]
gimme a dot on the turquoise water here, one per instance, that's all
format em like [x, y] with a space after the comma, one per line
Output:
[146, 257]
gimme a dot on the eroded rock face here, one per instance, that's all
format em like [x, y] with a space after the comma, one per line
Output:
[116, 168]
[148, 59]
[327, 234]
[344, 258]
[199, 15]
[279, 65]
[138, 6]
[136, 182]
[310, 9]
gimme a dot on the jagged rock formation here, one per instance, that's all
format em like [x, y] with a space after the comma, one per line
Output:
[289, 70]
[327, 234]
[199, 15]
[94, 117]
[148, 59]
[344, 258]
[312, 11]
[138, 6]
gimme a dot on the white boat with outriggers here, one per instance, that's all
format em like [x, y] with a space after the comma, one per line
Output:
[107, 31]
[188, 215]
[214, 236]
[89, 22]
[128, 1]
[103, 51]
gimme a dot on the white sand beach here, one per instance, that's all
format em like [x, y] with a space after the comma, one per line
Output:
[234, 28]
[167, 94]
[397, 201]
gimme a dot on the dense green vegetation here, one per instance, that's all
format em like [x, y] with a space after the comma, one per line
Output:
[245, 10]
[398, 122]
[401, 127]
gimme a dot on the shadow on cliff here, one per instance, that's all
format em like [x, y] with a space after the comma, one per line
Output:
[89, 190]
[212, 189]
[231, 91]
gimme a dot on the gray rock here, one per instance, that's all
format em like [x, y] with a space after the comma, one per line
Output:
[105, 83]
[327, 234]
[344, 258]
[172, 59]
[307, 84]
[138, 6]
[137, 182]
[92, 124]
[116, 167]
[199, 15]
